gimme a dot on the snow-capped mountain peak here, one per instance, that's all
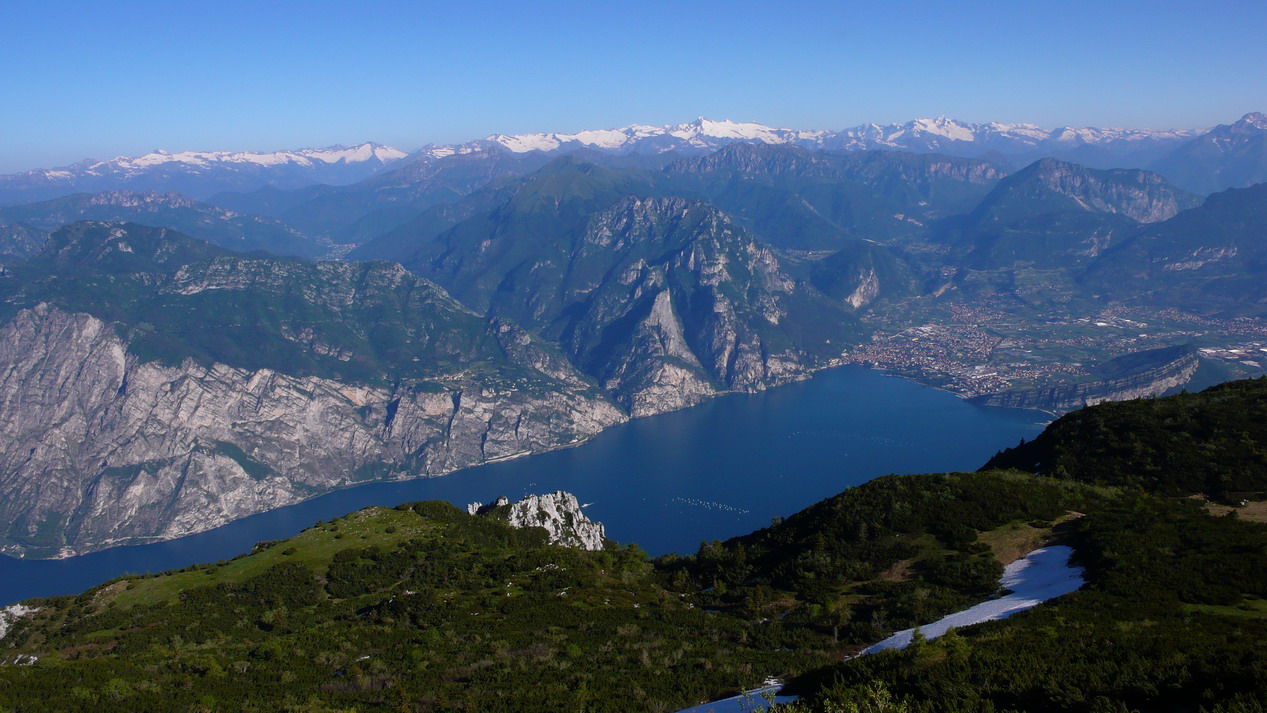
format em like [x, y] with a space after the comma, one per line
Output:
[701, 133]
[303, 157]
[201, 174]
[1255, 119]
[942, 126]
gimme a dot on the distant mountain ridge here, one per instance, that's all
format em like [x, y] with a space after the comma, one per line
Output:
[1055, 213]
[200, 174]
[226, 228]
[1227, 156]
[941, 134]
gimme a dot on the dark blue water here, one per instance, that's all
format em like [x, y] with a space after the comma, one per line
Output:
[667, 482]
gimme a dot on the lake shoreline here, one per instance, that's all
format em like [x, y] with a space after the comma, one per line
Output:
[722, 468]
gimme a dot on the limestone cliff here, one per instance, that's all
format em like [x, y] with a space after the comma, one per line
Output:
[558, 512]
[684, 304]
[152, 386]
[99, 449]
[664, 301]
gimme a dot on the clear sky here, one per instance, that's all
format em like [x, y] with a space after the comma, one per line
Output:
[98, 79]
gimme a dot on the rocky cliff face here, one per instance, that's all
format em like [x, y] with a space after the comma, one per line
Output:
[690, 307]
[1057, 215]
[558, 512]
[152, 386]
[1150, 373]
[1049, 185]
[98, 449]
[1138, 195]
[664, 301]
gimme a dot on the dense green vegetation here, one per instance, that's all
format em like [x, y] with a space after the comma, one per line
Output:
[418, 608]
[1175, 611]
[1212, 443]
[891, 554]
[1172, 620]
[179, 298]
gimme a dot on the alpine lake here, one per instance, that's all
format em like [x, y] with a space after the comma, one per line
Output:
[667, 483]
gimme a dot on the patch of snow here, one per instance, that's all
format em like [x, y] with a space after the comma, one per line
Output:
[604, 138]
[204, 159]
[941, 126]
[524, 143]
[1035, 578]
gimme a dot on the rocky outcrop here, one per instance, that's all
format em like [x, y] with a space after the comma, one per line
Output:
[1135, 376]
[664, 301]
[558, 512]
[10, 614]
[98, 448]
[690, 305]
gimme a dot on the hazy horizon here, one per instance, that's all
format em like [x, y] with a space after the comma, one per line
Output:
[98, 81]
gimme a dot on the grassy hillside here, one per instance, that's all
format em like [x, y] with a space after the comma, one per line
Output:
[418, 608]
[1174, 612]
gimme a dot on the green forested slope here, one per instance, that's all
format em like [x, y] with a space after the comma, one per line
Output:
[418, 608]
[1172, 619]
[1213, 442]
[1174, 613]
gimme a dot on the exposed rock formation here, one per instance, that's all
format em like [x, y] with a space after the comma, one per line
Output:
[11, 613]
[99, 449]
[558, 512]
[665, 301]
[1134, 376]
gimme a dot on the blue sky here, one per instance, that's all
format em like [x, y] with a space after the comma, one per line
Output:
[98, 79]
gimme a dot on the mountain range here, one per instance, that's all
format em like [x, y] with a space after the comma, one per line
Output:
[200, 173]
[199, 386]
[927, 135]
[171, 362]
[508, 297]
[242, 233]
[1197, 160]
